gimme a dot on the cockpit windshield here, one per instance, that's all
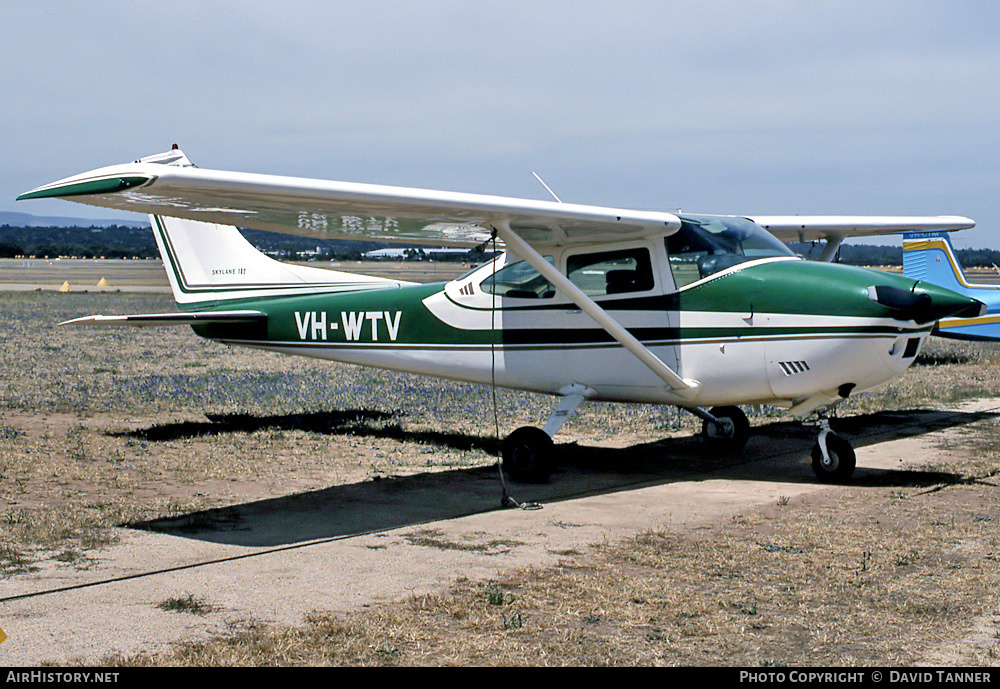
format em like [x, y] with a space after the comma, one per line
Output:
[707, 244]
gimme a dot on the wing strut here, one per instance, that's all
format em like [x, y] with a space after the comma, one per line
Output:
[683, 387]
[833, 243]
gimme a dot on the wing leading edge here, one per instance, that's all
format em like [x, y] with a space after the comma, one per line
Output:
[834, 229]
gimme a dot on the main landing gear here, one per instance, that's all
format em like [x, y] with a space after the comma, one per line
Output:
[528, 454]
[725, 429]
[833, 459]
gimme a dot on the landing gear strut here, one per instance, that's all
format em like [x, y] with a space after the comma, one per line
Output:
[833, 459]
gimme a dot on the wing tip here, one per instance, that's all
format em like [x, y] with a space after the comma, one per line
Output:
[85, 187]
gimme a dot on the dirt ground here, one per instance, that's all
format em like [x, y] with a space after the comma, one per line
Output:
[274, 560]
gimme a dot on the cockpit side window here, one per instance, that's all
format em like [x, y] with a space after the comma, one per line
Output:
[611, 272]
[518, 281]
[706, 245]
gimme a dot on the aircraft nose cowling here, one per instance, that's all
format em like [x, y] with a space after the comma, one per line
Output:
[925, 302]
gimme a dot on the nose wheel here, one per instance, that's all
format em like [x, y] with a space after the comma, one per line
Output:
[833, 459]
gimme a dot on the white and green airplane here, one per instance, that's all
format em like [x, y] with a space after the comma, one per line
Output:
[585, 303]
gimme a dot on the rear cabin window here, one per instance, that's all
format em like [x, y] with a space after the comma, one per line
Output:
[611, 272]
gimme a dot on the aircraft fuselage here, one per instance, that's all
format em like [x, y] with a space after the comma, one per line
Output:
[774, 330]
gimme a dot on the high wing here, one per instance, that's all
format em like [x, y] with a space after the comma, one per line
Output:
[167, 184]
[834, 229]
[807, 228]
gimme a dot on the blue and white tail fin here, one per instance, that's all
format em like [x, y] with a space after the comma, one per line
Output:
[206, 262]
[929, 256]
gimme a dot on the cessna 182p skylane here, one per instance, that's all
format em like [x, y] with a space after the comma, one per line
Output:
[586, 303]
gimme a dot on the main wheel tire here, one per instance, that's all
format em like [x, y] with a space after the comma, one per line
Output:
[527, 455]
[732, 431]
[840, 463]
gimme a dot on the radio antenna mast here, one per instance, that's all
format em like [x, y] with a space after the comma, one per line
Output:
[546, 186]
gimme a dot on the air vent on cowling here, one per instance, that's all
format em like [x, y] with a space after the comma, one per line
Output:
[790, 368]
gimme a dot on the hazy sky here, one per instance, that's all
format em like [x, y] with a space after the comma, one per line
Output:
[718, 107]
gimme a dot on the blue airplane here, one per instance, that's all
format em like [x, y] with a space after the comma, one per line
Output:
[929, 256]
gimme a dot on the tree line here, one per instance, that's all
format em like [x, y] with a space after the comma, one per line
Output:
[115, 241]
[891, 256]
[120, 241]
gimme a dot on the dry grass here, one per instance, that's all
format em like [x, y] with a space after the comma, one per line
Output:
[875, 577]
[103, 428]
[944, 372]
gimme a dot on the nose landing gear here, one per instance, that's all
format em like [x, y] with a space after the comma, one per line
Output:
[833, 459]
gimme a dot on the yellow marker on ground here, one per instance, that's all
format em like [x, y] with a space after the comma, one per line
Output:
[3, 637]
[102, 283]
[65, 287]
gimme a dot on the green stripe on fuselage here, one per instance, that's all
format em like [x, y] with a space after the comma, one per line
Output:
[784, 287]
[398, 317]
[368, 316]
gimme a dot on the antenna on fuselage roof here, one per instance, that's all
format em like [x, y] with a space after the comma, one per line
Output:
[546, 186]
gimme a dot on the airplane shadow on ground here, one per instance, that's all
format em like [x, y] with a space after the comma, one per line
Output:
[776, 452]
[355, 422]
